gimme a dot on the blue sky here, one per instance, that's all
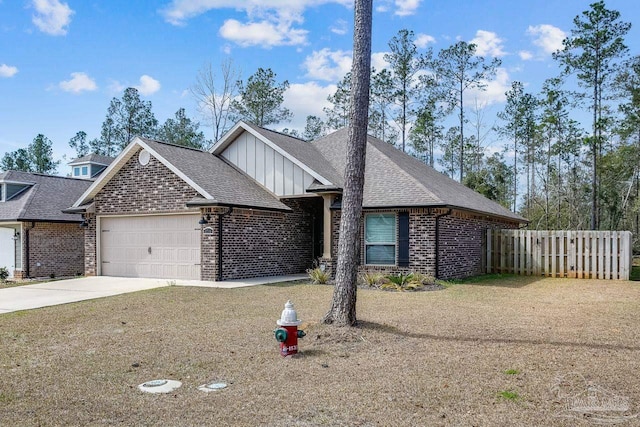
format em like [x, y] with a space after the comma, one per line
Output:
[61, 61]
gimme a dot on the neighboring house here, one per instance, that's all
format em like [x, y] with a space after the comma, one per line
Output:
[36, 238]
[263, 203]
[89, 166]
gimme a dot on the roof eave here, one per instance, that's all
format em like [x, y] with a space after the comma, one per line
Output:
[214, 204]
[442, 206]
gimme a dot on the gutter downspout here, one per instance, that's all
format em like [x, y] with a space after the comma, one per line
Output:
[438, 240]
[220, 216]
[26, 247]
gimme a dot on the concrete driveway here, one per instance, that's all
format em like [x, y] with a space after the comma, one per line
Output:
[73, 290]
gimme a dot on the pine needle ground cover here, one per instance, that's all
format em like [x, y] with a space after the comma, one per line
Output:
[496, 352]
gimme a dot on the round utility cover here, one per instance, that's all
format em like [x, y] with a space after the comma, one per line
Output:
[212, 387]
[159, 386]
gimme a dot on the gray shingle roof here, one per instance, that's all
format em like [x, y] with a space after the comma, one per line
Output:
[93, 158]
[223, 182]
[393, 178]
[44, 200]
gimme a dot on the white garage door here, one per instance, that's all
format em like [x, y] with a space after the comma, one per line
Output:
[165, 247]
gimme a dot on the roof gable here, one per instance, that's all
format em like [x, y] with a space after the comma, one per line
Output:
[298, 152]
[214, 180]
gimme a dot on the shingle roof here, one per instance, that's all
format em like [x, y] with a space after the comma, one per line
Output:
[225, 184]
[93, 158]
[44, 200]
[393, 178]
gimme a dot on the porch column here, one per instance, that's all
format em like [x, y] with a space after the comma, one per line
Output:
[326, 210]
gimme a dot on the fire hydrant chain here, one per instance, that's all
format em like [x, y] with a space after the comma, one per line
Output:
[287, 334]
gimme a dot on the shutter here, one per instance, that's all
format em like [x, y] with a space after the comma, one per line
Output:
[403, 239]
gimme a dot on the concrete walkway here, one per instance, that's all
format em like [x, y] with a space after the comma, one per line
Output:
[73, 290]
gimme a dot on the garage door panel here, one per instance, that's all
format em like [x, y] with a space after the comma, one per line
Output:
[174, 241]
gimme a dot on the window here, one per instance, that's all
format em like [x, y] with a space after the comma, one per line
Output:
[380, 239]
[85, 171]
[76, 171]
[1, 192]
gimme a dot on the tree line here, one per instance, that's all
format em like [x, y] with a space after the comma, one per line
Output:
[554, 170]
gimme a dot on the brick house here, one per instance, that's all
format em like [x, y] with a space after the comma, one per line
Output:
[36, 238]
[263, 203]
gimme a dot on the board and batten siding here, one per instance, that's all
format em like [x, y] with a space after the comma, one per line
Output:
[270, 168]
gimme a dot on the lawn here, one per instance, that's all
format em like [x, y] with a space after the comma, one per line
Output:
[477, 354]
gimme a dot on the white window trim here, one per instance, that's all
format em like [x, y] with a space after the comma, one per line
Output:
[395, 243]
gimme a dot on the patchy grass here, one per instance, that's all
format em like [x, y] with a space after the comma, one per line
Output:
[511, 372]
[509, 395]
[416, 358]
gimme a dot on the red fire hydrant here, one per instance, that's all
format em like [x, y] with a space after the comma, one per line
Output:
[287, 335]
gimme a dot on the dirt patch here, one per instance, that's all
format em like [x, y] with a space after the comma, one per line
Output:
[484, 354]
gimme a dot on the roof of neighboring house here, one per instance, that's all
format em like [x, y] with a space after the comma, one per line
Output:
[218, 183]
[44, 198]
[93, 158]
[395, 179]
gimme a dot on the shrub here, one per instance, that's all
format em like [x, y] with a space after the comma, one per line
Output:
[425, 279]
[318, 276]
[4, 274]
[372, 279]
[402, 280]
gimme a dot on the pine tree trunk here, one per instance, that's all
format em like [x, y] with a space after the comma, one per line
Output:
[343, 305]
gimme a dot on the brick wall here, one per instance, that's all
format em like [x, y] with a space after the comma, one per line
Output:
[90, 254]
[257, 243]
[144, 189]
[461, 243]
[55, 249]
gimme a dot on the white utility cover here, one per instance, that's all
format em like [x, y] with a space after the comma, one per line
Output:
[153, 246]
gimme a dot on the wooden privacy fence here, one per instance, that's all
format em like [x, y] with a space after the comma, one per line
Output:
[576, 254]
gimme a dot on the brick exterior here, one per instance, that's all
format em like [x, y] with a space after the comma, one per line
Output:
[55, 249]
[462, 242]
[460, 248]
[269, 244]
[258, 243]
[138, 189]
[255, 243]
[90, 254]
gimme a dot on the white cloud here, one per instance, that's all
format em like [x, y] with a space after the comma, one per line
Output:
[8, 70]
[494, 91]
[340, 27]
[422, 40]
[264, 33]
[52, 17]
[306, 99]
[148, 85]
[525, 55]
[547, 37]
[78, 83]
[328, 65]
[406, 7]
[488, 44]
[269, 22]
[378, 62]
